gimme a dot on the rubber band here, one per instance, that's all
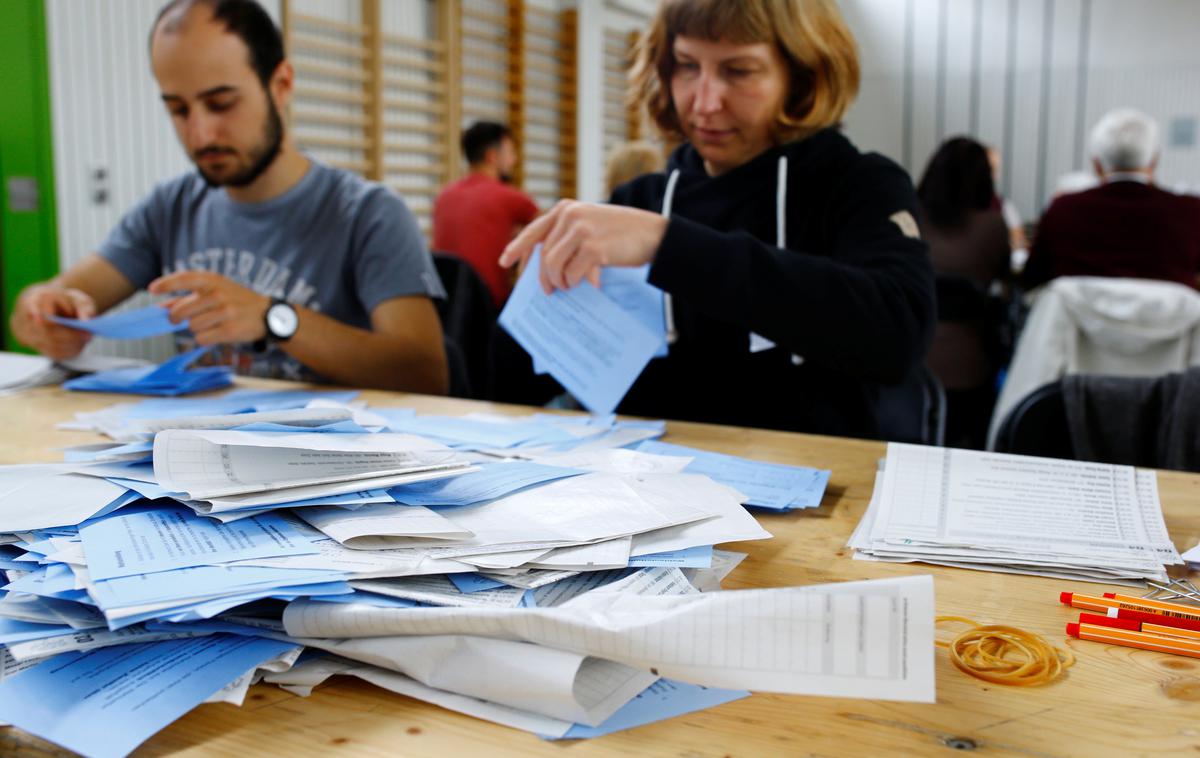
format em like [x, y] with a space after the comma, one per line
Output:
[1004, 654]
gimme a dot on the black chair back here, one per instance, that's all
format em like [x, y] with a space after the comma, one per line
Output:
[1037, 425]
[468, 314]
[914, 410]
[456, 361]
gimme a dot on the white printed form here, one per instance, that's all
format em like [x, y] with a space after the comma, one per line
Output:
[1011, 504]
[210, 464]
[869, 639]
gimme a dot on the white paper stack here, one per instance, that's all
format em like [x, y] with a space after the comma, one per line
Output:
[1016, 514]
[512, 569]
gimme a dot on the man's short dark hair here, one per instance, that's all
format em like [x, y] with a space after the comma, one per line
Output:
[245, 19]
[481, 137]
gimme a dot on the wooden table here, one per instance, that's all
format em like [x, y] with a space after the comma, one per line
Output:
[1114, 701]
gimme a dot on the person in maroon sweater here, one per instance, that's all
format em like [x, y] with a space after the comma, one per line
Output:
[1126, 227]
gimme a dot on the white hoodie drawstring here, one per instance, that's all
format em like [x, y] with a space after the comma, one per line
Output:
[758, 343]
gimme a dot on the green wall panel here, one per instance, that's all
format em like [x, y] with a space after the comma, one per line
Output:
[28, 231]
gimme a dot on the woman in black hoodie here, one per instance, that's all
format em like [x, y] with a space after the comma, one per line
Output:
[795, 278]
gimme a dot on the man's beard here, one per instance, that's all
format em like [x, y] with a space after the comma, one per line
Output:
[506, 178]
[261, 155]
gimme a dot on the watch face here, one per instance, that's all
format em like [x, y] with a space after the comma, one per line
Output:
[282, 321]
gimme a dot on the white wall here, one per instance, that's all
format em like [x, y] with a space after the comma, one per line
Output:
[1028, 76]
[595, 16]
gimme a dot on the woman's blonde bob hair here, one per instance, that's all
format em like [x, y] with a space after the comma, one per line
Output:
[812, 38]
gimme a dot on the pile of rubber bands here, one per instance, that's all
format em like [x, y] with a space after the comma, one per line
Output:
[1004, 654]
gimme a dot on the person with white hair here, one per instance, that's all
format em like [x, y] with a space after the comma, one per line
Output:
[1126, 226]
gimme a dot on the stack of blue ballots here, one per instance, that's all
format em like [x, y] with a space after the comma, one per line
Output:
[594, 341]
[172, 377]
[206, 519]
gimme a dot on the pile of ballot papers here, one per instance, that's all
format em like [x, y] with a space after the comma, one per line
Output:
[556, 574]
[1016, 514]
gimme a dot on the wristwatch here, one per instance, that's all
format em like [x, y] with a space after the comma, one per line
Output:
[281, 321]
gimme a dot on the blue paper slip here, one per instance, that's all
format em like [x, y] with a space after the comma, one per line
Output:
[491, 481]
[108, 453]
[201, 582]
[53, 580]
[629, 289]
[334, 427]
[584, 339]
[151, 539]
[210, 608]
[472, 582]
[456, 430]
[766, 485]
[13, 631]
[137, 324]
[200, 611]
[662, 700]
[394, 414]
[692, 557]
[172, 377]
[235, 401]
[106, 702]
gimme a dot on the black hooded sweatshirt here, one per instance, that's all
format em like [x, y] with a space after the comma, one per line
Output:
[848, 300]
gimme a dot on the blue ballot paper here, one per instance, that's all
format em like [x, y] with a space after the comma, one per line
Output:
[13, 631]
[692, 557]
[765, 485]
[136, 324]
[662, 700]
[151, 539]
[629, 289]
[52, 580]
[203, 610]
[491, 481]
[201, 582]
[235, 401]
[455, 430]
[172, 377]
[581, 337]
[469, 582]
[104, 703]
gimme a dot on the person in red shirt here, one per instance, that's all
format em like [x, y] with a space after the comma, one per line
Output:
[475, 217]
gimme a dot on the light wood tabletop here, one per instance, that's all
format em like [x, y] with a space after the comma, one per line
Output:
[1114, 701]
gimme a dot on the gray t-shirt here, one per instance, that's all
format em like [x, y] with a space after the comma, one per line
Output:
[334, 243]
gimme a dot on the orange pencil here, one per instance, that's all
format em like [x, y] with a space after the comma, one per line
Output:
[1142, 640]
[1102, 604]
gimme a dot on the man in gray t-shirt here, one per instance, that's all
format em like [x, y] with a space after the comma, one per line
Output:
[296, 269]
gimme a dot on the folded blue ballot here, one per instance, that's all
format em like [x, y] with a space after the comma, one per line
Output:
[172, 377]
[766, 485]
[104, 703]
[580, 336]
[137, 324]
